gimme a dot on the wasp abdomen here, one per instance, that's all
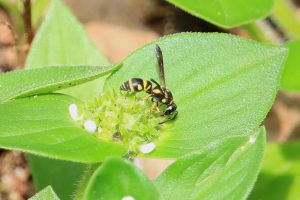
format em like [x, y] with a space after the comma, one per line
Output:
[136, 85]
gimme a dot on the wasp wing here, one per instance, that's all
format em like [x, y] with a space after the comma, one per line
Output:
[160, 67]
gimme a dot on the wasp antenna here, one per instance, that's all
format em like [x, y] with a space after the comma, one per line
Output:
[154, 81]
[157, 49]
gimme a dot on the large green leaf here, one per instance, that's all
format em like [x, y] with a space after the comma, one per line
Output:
[226, 169]
[291, 74]
[62, 40]
[117, 178]
[42, 125]
[280, 174]
[223, 86]
[226, 13]
[44, 80]
[45, 171]
[45, 194]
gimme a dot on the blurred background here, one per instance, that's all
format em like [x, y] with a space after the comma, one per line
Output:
[119, 27]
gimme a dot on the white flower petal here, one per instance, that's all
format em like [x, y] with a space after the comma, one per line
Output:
[252, 139]
[73, 111]
[147, 148]
[90, 126]
[128, 198]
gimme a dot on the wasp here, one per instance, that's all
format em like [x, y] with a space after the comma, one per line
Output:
[159, 93]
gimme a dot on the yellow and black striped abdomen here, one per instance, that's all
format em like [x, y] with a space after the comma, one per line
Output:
[136, 85]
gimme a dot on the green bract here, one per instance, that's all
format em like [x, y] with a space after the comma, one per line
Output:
[33, 81]
[225, 169]
[226, 13]
[116, 179]
[45, 194]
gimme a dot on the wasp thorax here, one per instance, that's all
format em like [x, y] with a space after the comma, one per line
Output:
[124, 119]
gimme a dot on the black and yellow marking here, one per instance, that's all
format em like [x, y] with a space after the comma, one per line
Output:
[159, 94]
[136, 85]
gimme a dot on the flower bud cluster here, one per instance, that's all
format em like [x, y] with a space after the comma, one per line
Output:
[121, 118]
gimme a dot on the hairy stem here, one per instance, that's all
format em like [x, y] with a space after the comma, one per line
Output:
[262, 32]
[79, 193]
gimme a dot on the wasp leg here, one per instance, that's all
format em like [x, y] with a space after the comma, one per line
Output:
[152, 107]
[171, 118]
[157, 107]
[147, 97]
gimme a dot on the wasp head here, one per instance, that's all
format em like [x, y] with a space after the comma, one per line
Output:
[170, 109]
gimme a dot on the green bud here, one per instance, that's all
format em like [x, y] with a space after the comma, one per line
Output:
[124, 119]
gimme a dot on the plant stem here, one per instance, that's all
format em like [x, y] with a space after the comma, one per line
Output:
[27, 21]
[79, 194]
[284, 15]
[260, 31]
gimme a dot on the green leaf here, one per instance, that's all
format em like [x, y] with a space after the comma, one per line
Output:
[117, 178]
[44, 80]
[44, 172]
[222, 170]
[45, 194]
[290, 79]
[226, 13]
[42, 125]
[280, 174]
[62, 40]
[223, 86]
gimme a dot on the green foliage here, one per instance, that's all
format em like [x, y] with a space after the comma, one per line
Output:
[45, 172]
[62, 40]
[280, 174]
[45, 194]
[225, 169]
[230, 91]
[226, 13]
[44, 80]
[42, 125]
[291, 75]
[223, 86]
[117, 178]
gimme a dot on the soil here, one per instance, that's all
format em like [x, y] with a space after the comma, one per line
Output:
[118, 27]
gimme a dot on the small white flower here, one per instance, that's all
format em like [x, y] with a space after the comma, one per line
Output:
[147, 148]
[90, 126]
[73, 111]
[128, 198]
[252, 139]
